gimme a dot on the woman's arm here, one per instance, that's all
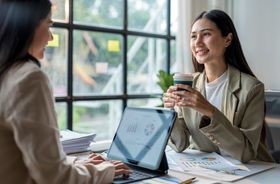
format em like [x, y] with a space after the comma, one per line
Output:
[240, 142]
[34, 125]
[179, 138]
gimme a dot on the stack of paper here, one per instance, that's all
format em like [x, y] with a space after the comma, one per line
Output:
[74, 142]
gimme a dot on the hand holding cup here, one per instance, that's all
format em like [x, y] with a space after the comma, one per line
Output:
[183, 78]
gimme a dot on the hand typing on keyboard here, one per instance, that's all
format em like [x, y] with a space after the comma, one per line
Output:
[125, 176]
[120, 168]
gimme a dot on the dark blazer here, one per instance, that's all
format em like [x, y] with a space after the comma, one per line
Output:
[235, 130]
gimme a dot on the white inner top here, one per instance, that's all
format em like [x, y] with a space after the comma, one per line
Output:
[215, 90]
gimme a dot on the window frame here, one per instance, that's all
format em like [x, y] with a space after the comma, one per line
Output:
[70, 26]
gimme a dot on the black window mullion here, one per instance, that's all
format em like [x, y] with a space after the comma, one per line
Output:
[125, 66]
[169, 36]
[70, 69]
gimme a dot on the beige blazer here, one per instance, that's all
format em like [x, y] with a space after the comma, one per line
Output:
[235, 130]
[30, 150]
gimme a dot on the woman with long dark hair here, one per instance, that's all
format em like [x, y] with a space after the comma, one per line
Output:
[29, 137]
[223, 111]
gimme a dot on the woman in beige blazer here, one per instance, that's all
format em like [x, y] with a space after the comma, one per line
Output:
[29, 137]
[223, 111]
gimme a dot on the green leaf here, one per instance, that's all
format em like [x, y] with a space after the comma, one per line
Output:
[164, 80]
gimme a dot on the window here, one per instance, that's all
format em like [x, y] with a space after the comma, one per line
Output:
[105, 55]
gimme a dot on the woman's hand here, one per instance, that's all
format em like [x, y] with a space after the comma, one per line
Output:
[169, 98]
[120, 168]
[193, 99]
[93, 158]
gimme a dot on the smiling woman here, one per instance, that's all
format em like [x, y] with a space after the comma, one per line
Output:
[208, 45]
[223, 110]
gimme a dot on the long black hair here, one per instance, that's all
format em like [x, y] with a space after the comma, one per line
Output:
[19, 20]
[233, 54]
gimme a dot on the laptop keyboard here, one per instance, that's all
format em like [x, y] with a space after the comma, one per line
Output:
[137, 175]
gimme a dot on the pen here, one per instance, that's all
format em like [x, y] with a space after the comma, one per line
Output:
[175, 180]
[188, 181]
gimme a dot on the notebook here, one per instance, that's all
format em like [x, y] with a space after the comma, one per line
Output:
[140, 142]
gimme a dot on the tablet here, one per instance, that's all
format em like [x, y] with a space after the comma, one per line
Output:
[142, 136]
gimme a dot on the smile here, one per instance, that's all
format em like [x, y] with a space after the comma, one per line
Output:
[201, 52]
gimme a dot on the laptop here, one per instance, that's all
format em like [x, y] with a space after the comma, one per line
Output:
[140, 142]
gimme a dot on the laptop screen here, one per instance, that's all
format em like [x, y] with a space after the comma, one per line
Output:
[142, 136]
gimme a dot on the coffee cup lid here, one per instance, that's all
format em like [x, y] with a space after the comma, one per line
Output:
[182, 76]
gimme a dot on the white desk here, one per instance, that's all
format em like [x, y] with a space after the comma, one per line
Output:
[271, 176]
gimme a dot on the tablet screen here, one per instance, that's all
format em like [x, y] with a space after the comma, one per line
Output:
[142, 136]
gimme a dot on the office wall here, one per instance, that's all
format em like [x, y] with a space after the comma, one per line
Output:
[258, 25]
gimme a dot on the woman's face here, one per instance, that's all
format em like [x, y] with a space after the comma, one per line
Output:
[41, 37]
[207, 43]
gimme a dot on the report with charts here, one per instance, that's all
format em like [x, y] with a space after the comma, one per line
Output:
[213, 165]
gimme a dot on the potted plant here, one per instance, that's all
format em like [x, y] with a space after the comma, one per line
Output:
[165, 80]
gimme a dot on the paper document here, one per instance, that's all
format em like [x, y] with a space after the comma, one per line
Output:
[199, 160]
[74, 142]
[213, 165]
